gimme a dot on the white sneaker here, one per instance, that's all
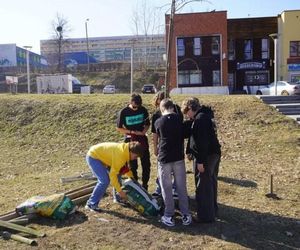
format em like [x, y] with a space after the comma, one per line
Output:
[186, 220]
[93, 208]
[168, 221]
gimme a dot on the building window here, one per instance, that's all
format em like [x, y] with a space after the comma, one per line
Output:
[189, 77]
[294, 48]
[231, 50]
[197, 46]
[216, 78]
[195, 77]
[180, 47]
[248, 50]
[215, 46]
[264, 48]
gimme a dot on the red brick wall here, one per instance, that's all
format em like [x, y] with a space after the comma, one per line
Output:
[195, 24]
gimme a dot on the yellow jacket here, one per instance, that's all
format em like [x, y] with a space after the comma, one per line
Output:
[114, 156]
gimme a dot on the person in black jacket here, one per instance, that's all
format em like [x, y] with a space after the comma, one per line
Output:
[205, 148]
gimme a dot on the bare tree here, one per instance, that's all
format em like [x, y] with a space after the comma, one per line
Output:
[146, 22]
[60, 29]
[176, 5]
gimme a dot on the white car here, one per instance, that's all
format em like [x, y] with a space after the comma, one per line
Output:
[109, 89]
[283, 88]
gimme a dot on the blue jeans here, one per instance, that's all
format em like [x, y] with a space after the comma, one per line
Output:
[102, 174]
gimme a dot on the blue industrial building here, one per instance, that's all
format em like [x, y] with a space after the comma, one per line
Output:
[13, 56]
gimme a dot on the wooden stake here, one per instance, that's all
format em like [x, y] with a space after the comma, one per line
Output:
[20, 228]
[271, 184]
[6, 235]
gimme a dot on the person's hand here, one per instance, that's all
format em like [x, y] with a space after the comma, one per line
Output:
[138, 133]
[200, 167]
[123, 195]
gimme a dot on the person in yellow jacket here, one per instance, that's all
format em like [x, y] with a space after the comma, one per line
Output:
[108, 161]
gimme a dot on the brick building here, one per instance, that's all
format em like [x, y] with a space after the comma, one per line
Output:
[212, 54]
[198, 52]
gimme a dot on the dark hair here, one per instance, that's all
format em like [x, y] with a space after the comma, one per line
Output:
[160, 95]
[136, 98]
[136, 148]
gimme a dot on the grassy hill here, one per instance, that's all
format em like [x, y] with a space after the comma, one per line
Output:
[45, 137]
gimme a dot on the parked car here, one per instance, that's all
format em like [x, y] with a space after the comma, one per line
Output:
[283, 88]
[109, 89]
[149, 88]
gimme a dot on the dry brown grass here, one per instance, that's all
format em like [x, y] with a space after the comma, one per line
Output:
[46, 137]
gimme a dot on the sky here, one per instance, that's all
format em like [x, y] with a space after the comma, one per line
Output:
[26, 22]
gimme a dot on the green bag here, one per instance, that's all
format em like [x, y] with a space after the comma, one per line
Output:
[56, 206]
[139, 198]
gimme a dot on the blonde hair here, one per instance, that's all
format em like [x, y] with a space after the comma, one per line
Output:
[159, 96]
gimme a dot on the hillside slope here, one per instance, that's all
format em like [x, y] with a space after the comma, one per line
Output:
[45, 137]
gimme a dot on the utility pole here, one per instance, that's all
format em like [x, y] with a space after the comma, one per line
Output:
[169, 47]
[87, 45]
[28, 69]
[59, 29]
[274, 37]
[131, 63]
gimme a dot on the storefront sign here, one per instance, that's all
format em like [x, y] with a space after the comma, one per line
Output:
[251, 65]
[293, 67]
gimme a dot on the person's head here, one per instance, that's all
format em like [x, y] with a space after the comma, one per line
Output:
[135, 101]
[160, 95]
[135, 150]
[190, 106]
[166, 106]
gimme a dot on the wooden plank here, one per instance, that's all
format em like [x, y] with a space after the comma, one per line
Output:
[80, 193]
[9, 216]
[20, 221]
[20, 228]
[81, 199]
[82, 187]
[82, 176]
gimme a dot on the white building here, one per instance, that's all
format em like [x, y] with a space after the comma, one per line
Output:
[147, 49]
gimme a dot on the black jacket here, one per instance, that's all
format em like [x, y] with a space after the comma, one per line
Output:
[203, 139]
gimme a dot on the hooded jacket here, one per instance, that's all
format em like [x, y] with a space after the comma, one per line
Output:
[203, 139]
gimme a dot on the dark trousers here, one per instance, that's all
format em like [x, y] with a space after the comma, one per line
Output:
[207, 189]
[145, 162]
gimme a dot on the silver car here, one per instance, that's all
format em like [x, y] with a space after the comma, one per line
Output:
[283, 88]
[109, 89]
